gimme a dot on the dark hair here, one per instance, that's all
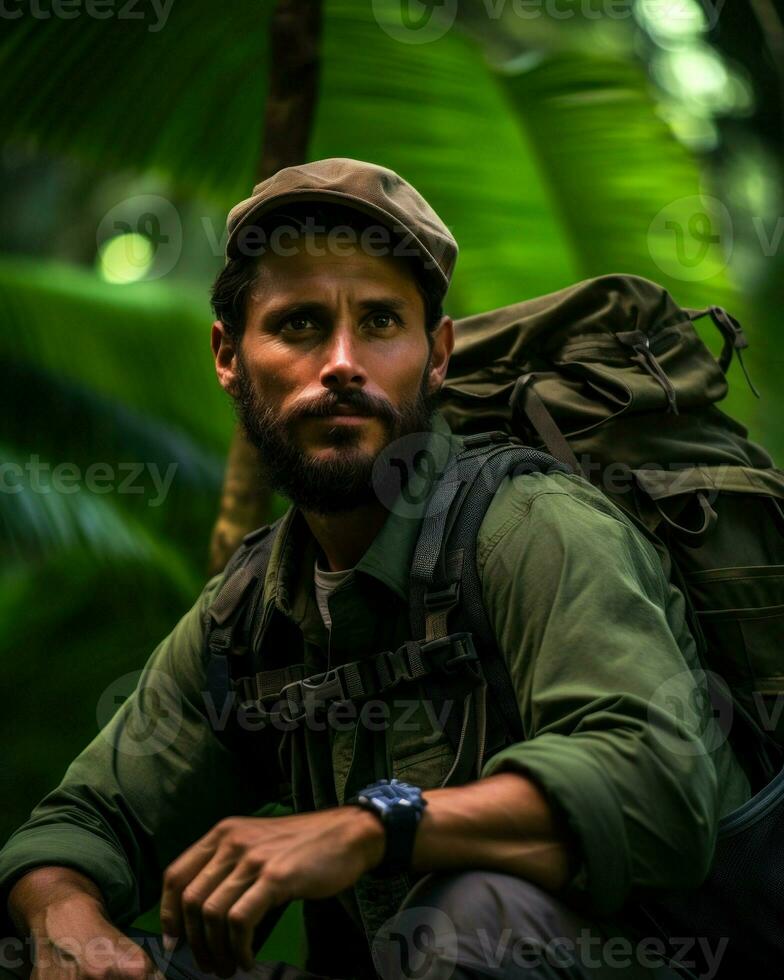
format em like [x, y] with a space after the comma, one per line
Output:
[229, 293]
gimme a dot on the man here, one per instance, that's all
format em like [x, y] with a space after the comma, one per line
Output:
[331, 340]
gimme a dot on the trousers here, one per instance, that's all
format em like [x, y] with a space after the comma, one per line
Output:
[475, 924]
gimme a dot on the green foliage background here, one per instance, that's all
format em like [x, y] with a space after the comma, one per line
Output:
[546, 150]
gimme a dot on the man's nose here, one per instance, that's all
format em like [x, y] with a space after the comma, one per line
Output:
[342, 364]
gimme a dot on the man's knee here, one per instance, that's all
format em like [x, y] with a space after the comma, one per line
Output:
[468, 924]
[478, 923]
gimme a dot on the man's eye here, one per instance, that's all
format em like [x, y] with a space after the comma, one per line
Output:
[296, 323]
[382, 320]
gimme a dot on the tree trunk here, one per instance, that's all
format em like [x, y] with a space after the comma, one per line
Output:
[295, 35]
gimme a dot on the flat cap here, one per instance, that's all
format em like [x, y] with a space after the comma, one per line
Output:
[366, 187]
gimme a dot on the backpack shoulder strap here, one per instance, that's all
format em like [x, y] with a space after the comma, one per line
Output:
[444, 577]
[232, 610]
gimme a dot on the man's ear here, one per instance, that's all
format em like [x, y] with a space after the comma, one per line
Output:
[443, 344]
[225, 353]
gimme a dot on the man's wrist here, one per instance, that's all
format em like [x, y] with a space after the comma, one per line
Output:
[398, 806]
[41, 888]
[371, 835]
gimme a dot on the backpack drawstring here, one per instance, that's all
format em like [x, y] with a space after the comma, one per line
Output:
[641, 343]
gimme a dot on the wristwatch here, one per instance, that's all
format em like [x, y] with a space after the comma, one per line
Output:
[399, 806]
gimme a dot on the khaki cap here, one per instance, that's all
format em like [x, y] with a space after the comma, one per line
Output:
[375, 191]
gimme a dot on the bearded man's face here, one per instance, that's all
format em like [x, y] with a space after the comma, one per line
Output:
[342, 479]
[326, 334]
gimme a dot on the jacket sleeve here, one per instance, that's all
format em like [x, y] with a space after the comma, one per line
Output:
[618, 731]
[154, 780]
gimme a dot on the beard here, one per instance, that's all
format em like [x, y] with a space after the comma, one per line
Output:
[344, 481]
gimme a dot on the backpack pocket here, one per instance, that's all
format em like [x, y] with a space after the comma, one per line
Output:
[741, 901]
[724, 530]
[741, 612]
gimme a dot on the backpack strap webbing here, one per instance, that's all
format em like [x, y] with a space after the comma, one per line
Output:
[445, 580]
[228, 618]
[735, 339]
[286, 694]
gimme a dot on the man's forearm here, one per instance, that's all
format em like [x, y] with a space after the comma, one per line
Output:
[502, 822]
[43, 886]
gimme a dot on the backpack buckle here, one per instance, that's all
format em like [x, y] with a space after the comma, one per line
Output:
[437, 652]
[443, 598]
[397, 667]
[328, 685]
[306, 695]
[219, 644]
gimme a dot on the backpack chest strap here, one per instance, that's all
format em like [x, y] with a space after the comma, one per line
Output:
[288, 695]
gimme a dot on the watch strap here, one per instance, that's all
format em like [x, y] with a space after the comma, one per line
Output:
[400, 825]
[400, 821]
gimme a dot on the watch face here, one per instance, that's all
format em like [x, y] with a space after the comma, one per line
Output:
[392, 793]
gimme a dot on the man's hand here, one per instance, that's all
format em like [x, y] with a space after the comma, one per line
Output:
[73, 939]
[217, 893]
[76, 943]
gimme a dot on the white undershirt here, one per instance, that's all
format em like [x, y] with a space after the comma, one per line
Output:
[326, 582]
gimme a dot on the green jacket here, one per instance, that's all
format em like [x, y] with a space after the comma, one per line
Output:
[616, 731]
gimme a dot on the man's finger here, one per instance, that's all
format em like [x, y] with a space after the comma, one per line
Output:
[177, 877]
[215, 913]
[246, 914]
[194, 896]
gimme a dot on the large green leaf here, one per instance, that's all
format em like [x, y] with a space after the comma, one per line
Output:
[71, 625]
[186, 99]
[435, 113]
[40, 520]
[545, 177]
[143, 346]
[618, 181]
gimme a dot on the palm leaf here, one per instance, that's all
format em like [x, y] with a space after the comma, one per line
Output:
[39, 523]
[438, 113]
[612, 166]
[144, 346]
[186, 100]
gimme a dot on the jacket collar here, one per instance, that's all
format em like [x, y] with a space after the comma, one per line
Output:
[388, 559]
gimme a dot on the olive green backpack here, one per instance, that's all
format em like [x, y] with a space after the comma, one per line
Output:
[610, 376]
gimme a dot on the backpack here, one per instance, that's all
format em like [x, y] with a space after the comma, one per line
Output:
[610, 376]
[607, 378]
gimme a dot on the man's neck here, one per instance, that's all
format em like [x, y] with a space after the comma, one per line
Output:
[344, 538]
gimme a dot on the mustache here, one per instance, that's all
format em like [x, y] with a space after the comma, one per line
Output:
[358, 401]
